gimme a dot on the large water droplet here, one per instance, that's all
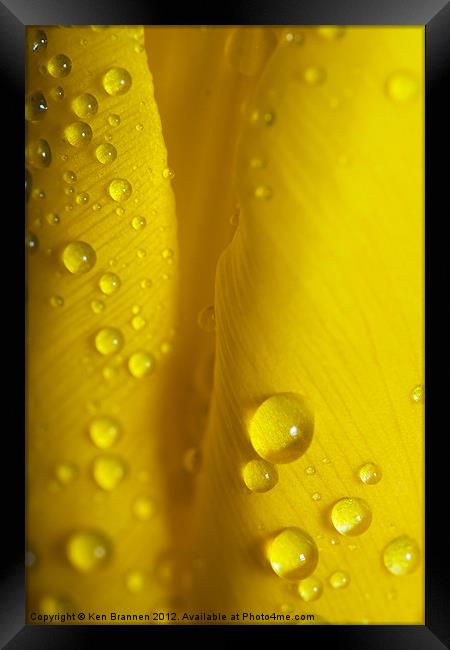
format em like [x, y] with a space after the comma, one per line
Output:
[117, 81]
[293, 554]
[87, 550]
[79, 257]
[59, 66]
[351, 516]
[109, 340]
[260, 476]
[282, 427]
[104, 431]
[401, 556]
[108, 472]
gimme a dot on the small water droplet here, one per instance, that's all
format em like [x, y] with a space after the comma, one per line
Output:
[339, 580]
[78, 134]
[109, 340]
[401, 556]
[310, 470]
[369, 473]
[109, 283]
[85, 105]
[57, 301]
[96, 207]
[39, 42]
[167, 253]
[207, 319]
[119, 189]
[139, 127]
[326, 461]
[66, 473]
[108, 472]
[351, 516]
[310, 589]
[141, 363]
[282, 427]
[331, 33]
[117, 81]
[70, 176]
[87, 550]
[79, 257]
[59, 66]
[35, 107]
[57, 93]
[316, 496]
[296, 38]
[417, 394]
[313, 75]
[402, 87]
[293, 554]
[135, 581]
[138, 223]
[82, 198]
[104, 431]
[138, 323]
[260, 476]
[106, 153]
[143, 508]
[114, 120]
[262, 192]
[146, 283]
[97, 306]
[168, 173]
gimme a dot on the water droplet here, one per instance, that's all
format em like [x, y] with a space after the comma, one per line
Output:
[35, 107]
[401, 556]
[79, 257]
[108, 472]
[138, 323]
[104, 431]
[192, 460]
[326, 461]
[314, 75]
[138, 48]
[297, 39]
[69, 191]
[262, 192]
[351, 516]
[146, 283]
[114, 120]
[78, 134]
[207, 319]
[39, 42]
[339, 580]
[38, 194]
[282, 427]
[57, 301]
[109, 340]
[106, 153]
[143, 508]
[59, 66]
[109, 283]
[402, 87]
[247, 50]
[293, 554]
[69, 176]
[87, 550]
[316, 496]
[141, 363]
[31, 242]
[119, 189]
[57, 93]
[138, 223]
[85, 105]
[117, 81]
[135, 581]
[82, 198]
[166, 347]
[417, 394]
[310, 470]
[168, 173]
[139, 127]
[66, 473]
[97, 306]
[141, 253]
[260, 476]
[96, 207]
[310, 589]
[331, 33]
[135, 309]
[369, 473]
[269, 118]
[167, 253]
[334, 541]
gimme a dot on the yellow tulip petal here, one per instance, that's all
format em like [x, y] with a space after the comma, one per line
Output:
[101, 299]
[320, 294]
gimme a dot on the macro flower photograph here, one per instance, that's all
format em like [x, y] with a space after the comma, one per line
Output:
[224, 325]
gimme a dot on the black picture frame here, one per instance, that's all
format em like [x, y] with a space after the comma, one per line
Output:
[15, 15]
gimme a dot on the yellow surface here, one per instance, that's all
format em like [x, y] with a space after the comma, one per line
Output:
[318, 136]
